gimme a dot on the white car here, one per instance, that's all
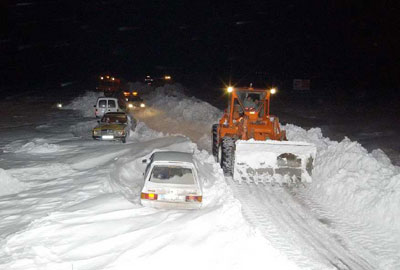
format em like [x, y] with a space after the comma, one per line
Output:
[106, 105]
[171, 181]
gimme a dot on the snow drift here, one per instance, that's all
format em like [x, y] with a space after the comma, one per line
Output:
[352, 182]
[84, 104]
[9, 185]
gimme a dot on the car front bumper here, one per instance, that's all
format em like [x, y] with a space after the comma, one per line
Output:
[108, 138]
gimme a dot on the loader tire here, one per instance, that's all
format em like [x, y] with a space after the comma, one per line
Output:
[227, 155]
[214, 145]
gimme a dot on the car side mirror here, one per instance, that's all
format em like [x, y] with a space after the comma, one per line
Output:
[144, 161]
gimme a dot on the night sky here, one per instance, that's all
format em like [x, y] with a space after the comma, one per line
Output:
[351, 45]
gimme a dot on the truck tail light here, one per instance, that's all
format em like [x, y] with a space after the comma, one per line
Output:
[194, 198]
[149, 196]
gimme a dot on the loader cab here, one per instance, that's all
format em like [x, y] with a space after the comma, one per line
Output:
[250, 102]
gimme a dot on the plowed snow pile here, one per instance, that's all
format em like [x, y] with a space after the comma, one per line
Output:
[169, 110]
[350, 181]
[84, 104]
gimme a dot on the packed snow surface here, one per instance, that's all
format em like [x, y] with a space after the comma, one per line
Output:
[69, 202]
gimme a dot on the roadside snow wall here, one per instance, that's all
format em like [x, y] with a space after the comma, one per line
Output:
[352, 182]
[9, 185]
[171, 99]
[84, 103]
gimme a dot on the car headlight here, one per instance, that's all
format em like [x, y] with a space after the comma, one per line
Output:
[130, 105]
[119, 132]
[59, 105]
[142, 105]
[96, 132]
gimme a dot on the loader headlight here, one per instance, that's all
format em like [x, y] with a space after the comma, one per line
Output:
[229, 89]
[142, 105]
[272, 91]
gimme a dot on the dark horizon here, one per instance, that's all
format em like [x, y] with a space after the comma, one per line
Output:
[337, 45]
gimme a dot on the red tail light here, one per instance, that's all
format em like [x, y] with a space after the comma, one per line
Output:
[149, 196]
[194, 198]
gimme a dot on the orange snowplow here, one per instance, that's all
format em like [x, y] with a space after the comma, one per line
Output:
[249, 144]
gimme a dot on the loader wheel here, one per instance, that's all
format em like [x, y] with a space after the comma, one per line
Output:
[227, 155]
[214, 145]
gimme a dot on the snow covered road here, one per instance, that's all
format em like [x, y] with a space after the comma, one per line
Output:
[68, 202]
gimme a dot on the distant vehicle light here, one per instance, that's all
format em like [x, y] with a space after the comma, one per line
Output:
[167, 77]
[135, 93]
[108, 77]
[101, 78]
[230, 89]
[59, 105]
[272, 91]
[142, 105]
[113, 78]
[126, 94]
[130, 105]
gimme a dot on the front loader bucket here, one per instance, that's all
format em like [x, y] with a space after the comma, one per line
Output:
[273, 161]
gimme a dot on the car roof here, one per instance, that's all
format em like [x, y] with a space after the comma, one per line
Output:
[173, 156]
[107, 98]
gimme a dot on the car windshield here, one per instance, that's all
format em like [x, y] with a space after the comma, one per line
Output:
[172, 175]
[115, 119]
[135, 98]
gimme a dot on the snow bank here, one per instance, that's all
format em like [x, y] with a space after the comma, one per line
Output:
[9, 185]
[170, 111]
[352, 182]
[36, 146]
[143, 133]
[171, 100]
[84, 104]
[83, 129]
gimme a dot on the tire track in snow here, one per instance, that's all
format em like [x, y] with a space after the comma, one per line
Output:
[374, 244]
[292, 228]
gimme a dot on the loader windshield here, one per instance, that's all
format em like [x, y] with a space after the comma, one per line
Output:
[250, 99]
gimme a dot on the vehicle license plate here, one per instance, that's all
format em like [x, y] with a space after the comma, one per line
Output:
[107, 137]
[171, 197]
